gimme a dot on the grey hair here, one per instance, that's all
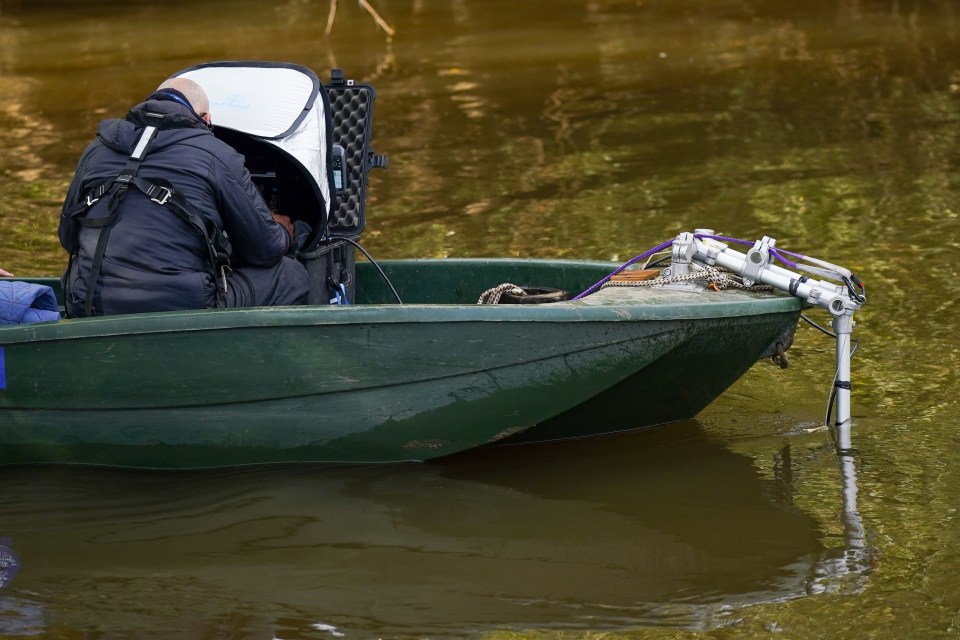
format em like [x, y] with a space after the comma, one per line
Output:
[193, 92]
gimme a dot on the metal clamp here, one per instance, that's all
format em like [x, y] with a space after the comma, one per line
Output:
[758, 258]
[681, 255]
[167, 194]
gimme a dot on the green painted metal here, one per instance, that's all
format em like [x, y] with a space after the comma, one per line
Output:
[377, 381]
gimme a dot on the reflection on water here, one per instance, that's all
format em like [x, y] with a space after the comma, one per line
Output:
[612, 533]
[572, 128]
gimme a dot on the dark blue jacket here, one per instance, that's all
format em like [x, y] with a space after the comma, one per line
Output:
[154, 260]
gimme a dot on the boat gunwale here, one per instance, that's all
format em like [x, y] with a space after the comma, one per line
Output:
[332, 315]
[707, 305]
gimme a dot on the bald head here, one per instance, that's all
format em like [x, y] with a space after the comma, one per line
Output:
[193, 92]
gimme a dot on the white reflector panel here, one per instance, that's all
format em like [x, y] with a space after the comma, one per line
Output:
[262, 101]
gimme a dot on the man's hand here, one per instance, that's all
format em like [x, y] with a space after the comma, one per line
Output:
[285, 223]
[5, 274]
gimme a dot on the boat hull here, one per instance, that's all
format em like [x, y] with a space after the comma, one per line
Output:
[370, 382]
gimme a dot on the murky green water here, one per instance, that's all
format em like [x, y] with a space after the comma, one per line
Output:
[574, 128]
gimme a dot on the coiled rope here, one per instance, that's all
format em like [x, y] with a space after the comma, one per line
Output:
[492, 296]
[716, 279]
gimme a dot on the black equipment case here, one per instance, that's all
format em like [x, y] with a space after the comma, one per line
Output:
[331, 259]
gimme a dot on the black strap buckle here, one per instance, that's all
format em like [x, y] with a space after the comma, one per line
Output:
[96, 193]
[162, 199]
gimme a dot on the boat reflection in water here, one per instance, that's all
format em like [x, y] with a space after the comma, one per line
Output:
[662, 527]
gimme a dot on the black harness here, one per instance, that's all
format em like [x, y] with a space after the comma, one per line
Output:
[159, 191]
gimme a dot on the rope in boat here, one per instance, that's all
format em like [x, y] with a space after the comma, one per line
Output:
[492, 296]
[716, 279]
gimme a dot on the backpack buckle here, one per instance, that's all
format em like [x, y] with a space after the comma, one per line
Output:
[166, 195]
[91, 199]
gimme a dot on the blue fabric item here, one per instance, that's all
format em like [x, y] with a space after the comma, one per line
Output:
[22, 302]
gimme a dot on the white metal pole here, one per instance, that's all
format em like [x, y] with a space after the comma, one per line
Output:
[843, 327]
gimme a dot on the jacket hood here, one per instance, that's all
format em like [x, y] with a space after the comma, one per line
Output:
[123, 135]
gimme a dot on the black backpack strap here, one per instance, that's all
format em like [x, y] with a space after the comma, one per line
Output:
[218, 245]
[117, 189]
[74, 217]
[163, 193]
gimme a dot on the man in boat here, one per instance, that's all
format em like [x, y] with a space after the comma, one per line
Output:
[162, 215]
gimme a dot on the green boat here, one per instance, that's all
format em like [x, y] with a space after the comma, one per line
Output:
[406, 366]
[377, 381]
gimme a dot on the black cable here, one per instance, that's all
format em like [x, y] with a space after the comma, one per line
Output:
[833, 396]
[374, 263]
[816, 326]
[658, 261]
